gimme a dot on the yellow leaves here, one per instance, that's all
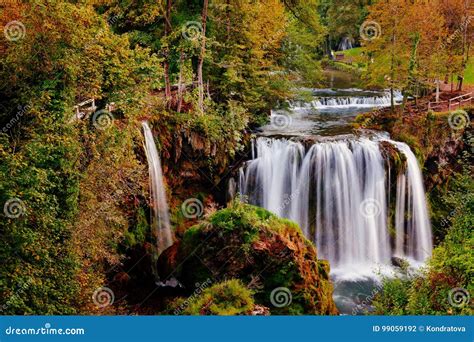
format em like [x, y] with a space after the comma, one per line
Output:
[400, 22]
[266, 25]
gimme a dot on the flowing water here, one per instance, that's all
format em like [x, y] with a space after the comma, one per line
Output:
[160, 221]
[328, 114]
[308, 165]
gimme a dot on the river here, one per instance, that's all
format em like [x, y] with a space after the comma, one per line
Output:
[311, 166]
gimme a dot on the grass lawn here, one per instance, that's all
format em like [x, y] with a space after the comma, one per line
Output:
[354, 55]
[355, 52]
[469, 73]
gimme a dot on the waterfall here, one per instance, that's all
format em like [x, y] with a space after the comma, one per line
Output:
[359, 101]
[346, 44]
[411, 203]
[160, 221]
[337, 191]
[347, 99]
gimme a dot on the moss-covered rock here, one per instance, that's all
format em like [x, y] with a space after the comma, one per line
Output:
[396, 160]
[230, 297]
[269, 254]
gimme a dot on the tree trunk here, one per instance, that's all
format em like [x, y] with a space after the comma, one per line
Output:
[228, 23]
[166, 65]
[201, 58]
[437, 90]
[392, 100]
[180, 82]
[392, 74]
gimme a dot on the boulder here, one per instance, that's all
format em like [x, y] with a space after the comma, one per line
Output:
[268, 254]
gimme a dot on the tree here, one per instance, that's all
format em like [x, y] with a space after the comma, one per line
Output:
[201, 57]
[406, 51]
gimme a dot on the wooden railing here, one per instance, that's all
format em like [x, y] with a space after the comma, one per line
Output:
[459, 100]
[81, 110]
[84, 109]
[450, 104]
[437, 105]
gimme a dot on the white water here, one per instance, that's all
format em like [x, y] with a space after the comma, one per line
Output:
[327, 102]
[160, 221]
[411, 203]
[337, 191]
[346, 43]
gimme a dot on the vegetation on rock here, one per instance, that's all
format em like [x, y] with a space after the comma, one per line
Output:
[443, 287]
[227, 298]
[262, 250]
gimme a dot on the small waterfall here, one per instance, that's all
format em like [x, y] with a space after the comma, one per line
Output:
[349, 98]
[414, 233]
[346, 43]
[160, 221]
[378, 100]
[337, 191]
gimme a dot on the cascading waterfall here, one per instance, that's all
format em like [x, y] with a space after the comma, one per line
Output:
[346, 43]
[337, 192]
[411, 200]
[160, 221]
[377, 99]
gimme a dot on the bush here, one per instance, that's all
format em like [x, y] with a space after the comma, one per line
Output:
[230, 297]
[264, 251]
[450, 270]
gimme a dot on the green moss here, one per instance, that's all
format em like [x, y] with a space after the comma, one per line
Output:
[414, 144]
[451, 267]
[264, 251]
[137, 236]
[230, 297]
